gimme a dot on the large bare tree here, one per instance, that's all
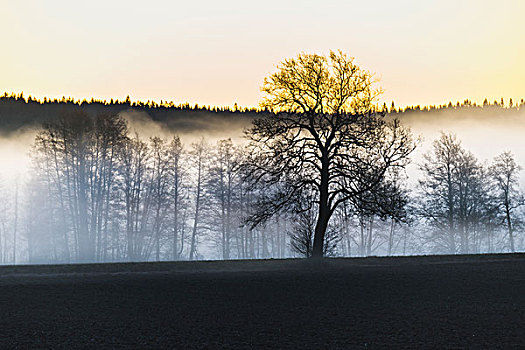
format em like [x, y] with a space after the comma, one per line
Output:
[324, 135]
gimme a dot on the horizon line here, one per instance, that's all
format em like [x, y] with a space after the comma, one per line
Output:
[238, 108]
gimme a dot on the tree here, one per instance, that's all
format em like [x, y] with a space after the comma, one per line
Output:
[134, 156]
[160, 189]
[177, 176]
[221, 186]
[505, 174]
[455, 198]
[438, 187]
[326, 137]
[199, 153]
[109, 133]
[76, 155]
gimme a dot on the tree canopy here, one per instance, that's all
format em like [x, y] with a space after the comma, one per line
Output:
[326, 138]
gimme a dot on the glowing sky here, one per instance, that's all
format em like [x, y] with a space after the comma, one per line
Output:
[218, 52]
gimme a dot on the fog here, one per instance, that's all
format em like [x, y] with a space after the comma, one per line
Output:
[485, 132]
[14, 153]
[189, 128]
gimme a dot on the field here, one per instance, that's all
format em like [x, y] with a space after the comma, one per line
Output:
[451, 302]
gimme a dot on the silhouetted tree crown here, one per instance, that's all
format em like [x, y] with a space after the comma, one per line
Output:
[326, 138]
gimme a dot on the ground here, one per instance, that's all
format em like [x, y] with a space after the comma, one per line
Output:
[448, 302]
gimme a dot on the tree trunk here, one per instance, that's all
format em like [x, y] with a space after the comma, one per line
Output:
[176, 219]
[85, 251]
[15, 223]
[370, 236]
[320, 231]
[450, 207]
[391, 237]
[509, 226]
[324, 210]
[193, 247]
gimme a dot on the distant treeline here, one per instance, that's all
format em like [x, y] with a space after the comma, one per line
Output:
[465, 105]
[18, 111]
[126, 103]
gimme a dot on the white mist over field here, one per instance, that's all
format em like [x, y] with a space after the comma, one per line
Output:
[14, 153]
[16, 147]
[486, 135]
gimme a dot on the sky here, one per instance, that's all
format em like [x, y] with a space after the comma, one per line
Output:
[218, 52]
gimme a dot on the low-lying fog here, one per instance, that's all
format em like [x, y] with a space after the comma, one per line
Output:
[484, 134]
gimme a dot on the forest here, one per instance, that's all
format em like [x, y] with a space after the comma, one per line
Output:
[99, 192]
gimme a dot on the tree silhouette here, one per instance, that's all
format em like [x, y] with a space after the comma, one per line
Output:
[456, 199]
[325, 138]
[505, 174]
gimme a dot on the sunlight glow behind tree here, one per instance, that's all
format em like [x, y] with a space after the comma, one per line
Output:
[327, 139]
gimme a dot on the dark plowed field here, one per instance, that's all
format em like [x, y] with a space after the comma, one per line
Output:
[474, 302]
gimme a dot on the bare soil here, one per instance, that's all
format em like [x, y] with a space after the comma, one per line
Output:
[438, 302]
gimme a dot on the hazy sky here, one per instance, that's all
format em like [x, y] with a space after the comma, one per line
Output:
[218, 52]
